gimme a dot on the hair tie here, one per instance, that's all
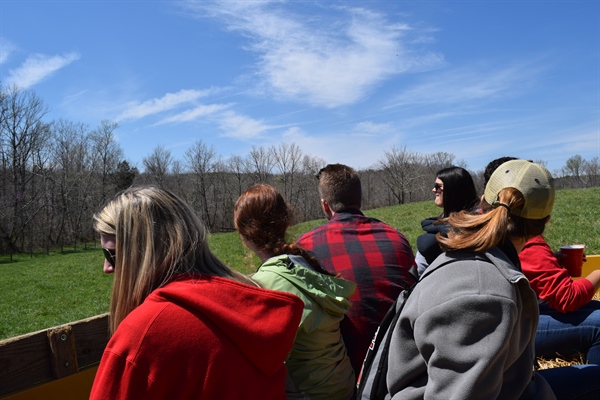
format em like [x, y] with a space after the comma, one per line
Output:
[501, 204]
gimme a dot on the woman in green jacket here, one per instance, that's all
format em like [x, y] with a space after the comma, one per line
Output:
[318, 365]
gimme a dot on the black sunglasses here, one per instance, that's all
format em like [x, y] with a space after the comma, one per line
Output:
[110, 256]
[437, 186]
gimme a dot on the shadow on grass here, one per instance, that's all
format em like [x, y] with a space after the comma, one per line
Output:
[22, 257]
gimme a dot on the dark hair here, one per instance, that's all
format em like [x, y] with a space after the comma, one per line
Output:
[340, 186]
[492, 166]
[261, 216]
[459, 190]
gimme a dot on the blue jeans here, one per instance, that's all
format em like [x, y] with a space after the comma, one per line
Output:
[564, 335]
[579, 382]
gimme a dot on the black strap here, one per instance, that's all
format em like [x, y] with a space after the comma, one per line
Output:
[379, 388]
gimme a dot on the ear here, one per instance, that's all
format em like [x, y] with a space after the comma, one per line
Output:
[326, 209]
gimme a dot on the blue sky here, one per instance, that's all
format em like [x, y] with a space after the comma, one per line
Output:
[344, 80]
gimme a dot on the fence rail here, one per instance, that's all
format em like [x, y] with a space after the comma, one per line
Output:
[51, 354]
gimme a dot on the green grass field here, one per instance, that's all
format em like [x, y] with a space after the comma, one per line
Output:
[43, 291]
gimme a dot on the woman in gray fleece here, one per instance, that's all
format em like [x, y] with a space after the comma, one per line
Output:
[468, 329]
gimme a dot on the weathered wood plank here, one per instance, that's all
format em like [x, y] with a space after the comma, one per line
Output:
[28, 360]
[63, 356]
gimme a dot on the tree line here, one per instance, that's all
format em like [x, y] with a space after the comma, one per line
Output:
[55, 174]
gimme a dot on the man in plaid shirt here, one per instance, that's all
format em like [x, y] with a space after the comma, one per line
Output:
[363, 250]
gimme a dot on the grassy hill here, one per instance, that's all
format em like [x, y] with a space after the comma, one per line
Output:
[43, 291]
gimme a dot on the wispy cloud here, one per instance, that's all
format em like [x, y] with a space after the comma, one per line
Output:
[38, 67]
[240, 126]
[193, 114]
[467, 85]
[330, 61]
[6, 47]
[369, 129]
[169, 101]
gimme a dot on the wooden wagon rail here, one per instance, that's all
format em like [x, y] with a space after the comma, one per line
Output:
[54, 354]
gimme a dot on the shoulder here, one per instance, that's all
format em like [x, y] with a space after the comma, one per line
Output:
[537, 254]
[278, 273]
[149, 326]
[461, 274]
[317, 230]
[427, 222]
[272, 268]
[537, 244]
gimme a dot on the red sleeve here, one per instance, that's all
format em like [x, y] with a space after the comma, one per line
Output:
[550, 281]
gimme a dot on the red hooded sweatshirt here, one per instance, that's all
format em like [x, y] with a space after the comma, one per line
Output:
[201, 338]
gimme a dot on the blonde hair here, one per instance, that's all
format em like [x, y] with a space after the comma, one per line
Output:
[480, 232]
[158, 237]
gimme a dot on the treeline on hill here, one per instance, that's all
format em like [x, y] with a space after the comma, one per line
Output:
[55, 174]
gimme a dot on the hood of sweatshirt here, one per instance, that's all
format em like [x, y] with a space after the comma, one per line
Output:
[329, 292]
[262, 323]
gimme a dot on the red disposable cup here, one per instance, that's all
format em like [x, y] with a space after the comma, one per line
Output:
[573, 260]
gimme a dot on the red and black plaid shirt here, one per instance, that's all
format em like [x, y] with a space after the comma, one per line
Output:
[375, 256]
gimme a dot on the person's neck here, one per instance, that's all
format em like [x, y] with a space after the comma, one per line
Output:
[519, 243]
[261, 254]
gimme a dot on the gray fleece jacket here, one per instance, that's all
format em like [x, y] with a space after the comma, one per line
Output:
[467, 332]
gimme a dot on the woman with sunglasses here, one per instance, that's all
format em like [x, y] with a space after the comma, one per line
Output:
[182, 323]
[454, 191]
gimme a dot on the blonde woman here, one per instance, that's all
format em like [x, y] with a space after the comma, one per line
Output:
[319, 367]
[183, 324]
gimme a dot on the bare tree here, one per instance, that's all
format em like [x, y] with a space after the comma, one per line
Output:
[438, 161]
[259, 164]
[287, 158]
[574, 168]
[107, 155]
[200, 159]
[308, 205]
[236, 166]
[592, 171]
[225, 192]
[157, 164]
[401, 171]
[75, 180]
[23, 135]
[179, 179]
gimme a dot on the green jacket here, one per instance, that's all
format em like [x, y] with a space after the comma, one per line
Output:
[318, 365]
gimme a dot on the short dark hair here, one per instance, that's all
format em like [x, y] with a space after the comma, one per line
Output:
[459, 189]
[340, 186]
[492, 166]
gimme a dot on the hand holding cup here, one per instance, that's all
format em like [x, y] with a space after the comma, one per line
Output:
[572, 258]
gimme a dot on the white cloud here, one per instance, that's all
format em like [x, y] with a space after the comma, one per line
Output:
[38, 67]
[467, 84]
[330, 61]
[167, 102]
[194, 113]
[370, 129]
[241, 126]
[6, 47]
